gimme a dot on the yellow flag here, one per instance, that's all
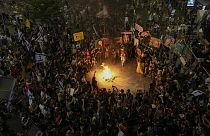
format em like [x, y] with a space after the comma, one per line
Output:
[28, 24]
[78, 36]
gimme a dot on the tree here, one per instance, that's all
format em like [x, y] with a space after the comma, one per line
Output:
[42, 10]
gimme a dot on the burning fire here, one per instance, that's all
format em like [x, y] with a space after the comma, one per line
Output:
[106, 73]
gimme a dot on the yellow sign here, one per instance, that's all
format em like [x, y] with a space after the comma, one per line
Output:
[28, 24]
[78, 36]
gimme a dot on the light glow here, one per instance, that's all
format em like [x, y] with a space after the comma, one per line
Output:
[106, 73]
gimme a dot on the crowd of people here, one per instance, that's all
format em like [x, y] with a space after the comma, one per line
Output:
[56, 97]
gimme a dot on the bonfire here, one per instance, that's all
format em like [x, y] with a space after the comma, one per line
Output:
[106, 73]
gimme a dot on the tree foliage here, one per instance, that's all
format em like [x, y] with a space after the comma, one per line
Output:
[40, 9]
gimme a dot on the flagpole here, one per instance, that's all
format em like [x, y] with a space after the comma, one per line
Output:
[3, 22]
[104, 25]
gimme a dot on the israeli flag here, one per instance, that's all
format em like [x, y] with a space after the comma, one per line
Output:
[40, 57]
[28, 45]
[20, 36]
[30, 97]
[170, 6]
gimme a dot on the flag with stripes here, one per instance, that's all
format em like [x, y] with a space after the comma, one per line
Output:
[20, 36]
[40, 57]
[30, 97]
[28, 45]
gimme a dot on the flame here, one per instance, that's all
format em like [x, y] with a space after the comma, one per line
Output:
[106, 73]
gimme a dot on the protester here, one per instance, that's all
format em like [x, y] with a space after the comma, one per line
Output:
[53, 94]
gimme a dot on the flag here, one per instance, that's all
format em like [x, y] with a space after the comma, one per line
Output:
[72, 91]
[138, 27]
[39, 38]
[200, 15]
[183, 60]
[30, 97]
[27, 45]
[126, 20]
[170, 6]
[190, 3]
[173, 12]
[20, 36]
[40, 34]
[78, 36]
[28, 24]
[60, 85]
[40, 57]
